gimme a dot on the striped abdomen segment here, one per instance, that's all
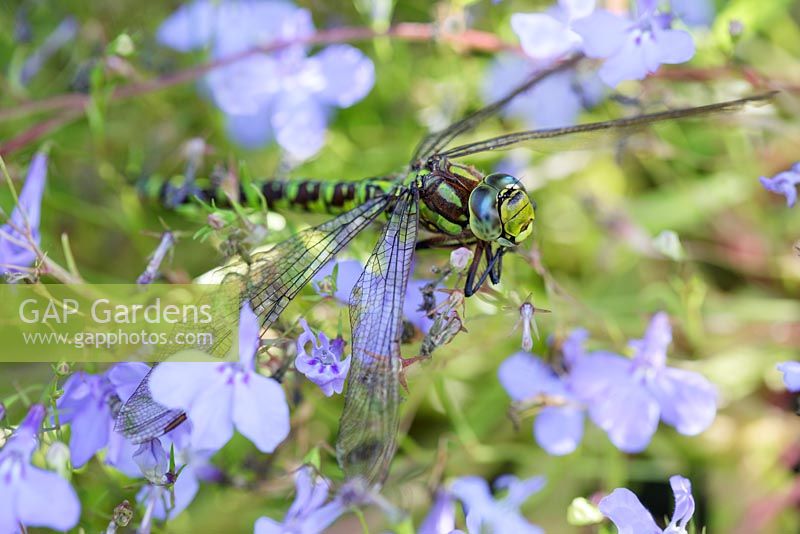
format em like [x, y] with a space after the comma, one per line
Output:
[319, 196]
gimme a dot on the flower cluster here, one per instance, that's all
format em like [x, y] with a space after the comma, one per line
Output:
[625, 397]
[324, 366]
[286, 95]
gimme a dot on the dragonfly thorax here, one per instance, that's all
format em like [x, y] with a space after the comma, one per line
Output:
[500, 210]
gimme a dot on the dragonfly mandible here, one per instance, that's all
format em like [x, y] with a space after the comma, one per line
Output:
[452, 201]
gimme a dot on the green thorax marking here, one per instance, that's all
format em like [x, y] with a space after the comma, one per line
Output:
[444, 199]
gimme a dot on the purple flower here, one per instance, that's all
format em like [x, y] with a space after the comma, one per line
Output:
[324, 366]
[791, 375]
[86, 407]
[349, 271]
[220, 396]
[29, 496]
[693, 12]
[626, 511]
[487, 514]
[633, 48]
[548, 36]
[558, 428]
[626, 397]
[441, 518]
[165, 497]
[14, 249]
[309, 512]
[285, 95]
[784, 183]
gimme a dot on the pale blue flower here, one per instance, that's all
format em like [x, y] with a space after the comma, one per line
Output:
[309, 513]
[286, 95]
[791, 375]
[625, 510]
[784, 183]
[218, 397]
[558, 427]
[26, 216]
[486, 513]
[441, 518]
[633, 47]
[627, 396]
[30, 496]
[694, 12]
[324, 365]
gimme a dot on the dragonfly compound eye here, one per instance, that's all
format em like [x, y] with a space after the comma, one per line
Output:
[500, 210]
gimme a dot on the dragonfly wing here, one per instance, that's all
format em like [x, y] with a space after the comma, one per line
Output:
[369, 424]
[269, 282]
[436, 141]
[591, 134]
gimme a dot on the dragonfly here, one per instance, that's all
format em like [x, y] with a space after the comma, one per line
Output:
[436, 193]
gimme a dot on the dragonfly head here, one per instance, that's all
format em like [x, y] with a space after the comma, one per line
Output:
[500, 210]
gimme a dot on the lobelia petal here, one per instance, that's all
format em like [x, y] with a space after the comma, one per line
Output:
[211, 415]
[347, 75]
[299, 122]
[348, 272]
[260, 411]
[791, 375]
[441, 519]
[473, 492]
[89, 432]
[413, 303]
[623, 508]
[674, 46]
[126, 377]
[687, 399]
[152, 460]
[324, 516]
[253, 130]
[652, 349]
[27, 209]
[245, 86]
[186, 487]
[577, 9]
[684, 501]
[190, 27]
[603, 33]
[694, 12]
[595, 374]
[524, 376]
[542, 36]
[178, 384]
[249, 339]
[559, 430]
[8, 505]
[629, 63]
[311, 492]
[628, 413]
[519, 491]
[119, 455]
[44, 499]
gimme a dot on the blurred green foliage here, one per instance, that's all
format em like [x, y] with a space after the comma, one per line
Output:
[732, 299]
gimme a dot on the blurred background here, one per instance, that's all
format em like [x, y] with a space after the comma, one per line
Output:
[673, 219]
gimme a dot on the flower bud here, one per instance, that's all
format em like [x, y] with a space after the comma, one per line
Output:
[460, 258]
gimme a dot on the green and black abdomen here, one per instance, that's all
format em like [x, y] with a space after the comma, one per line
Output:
[319, 196]
[316, 196]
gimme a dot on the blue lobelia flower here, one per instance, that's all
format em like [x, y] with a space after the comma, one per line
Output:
[625, 510]
[25, 218]
[626, 397]
[286, 95]
[220, 396]
[166, 495]
[309, 512]
[441, 518]
[86, 405]
[558, 427]
[791, 375]
[348, 273]
[633, 48]
[485, 513]
[694, 12]
[29, 496]
[784, 183]
[324, 366]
